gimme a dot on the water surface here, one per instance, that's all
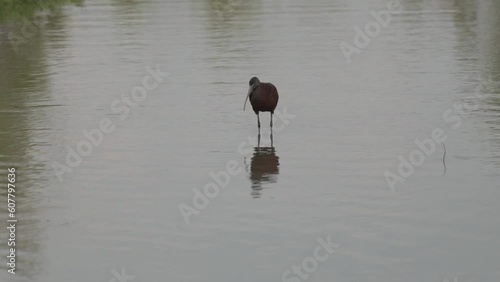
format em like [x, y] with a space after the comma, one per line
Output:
[323, 175]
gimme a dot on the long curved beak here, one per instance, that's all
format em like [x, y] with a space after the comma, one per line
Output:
[250, 89]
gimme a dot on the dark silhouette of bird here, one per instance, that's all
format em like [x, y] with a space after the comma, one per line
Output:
[263, 97]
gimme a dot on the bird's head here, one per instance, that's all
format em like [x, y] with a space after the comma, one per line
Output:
[254, 82]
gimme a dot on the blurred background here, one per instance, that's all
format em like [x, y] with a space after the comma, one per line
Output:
[64, 63]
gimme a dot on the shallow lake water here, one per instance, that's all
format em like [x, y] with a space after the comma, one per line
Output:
[172, 185]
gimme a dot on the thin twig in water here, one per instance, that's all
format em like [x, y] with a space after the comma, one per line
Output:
[444, 155]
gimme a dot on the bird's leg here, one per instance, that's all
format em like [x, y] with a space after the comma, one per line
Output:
[271, 136]
[271, 123]
[258, 140]
[258, 121]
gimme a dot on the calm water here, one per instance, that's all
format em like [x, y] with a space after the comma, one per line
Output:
[345, 126]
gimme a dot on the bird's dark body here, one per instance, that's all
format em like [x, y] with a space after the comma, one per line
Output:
[264, 98]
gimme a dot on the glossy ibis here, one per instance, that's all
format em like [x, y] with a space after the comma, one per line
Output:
[263, 97]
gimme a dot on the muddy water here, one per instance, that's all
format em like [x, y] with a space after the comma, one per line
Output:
[121, 209]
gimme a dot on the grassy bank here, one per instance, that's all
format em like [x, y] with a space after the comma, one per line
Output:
[26, 9]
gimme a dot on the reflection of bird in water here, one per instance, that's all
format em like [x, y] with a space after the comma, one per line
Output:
[263, 168]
